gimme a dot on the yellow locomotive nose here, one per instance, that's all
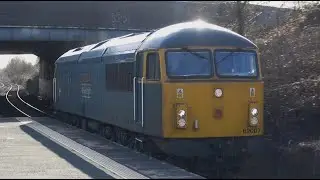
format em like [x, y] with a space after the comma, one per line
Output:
[213, 109]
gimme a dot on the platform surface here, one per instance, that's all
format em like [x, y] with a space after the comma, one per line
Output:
[26, 154]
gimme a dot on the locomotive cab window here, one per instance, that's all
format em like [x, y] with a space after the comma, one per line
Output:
[187, 63]
[241, 64]
[152, 67]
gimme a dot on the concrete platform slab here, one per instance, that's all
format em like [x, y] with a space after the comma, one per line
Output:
[25, 154]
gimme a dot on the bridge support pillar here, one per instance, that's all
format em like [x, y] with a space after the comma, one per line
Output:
[45, 77]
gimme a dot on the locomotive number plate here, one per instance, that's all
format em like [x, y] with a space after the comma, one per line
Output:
[251, 131]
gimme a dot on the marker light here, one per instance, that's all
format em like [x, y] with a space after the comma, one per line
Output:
[254, 112]
[218, 93]
[181, 113]
[196, 124]
[253, 121]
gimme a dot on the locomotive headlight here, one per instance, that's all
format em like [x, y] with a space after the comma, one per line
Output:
[254, 111]
[182, 123]
[218, 93]
[253, 121]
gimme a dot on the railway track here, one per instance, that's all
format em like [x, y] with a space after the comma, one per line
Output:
[21, 106]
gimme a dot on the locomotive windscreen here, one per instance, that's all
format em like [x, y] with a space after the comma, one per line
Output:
[189, 63]
[236, 63]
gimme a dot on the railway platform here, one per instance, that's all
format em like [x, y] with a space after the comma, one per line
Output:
[42, 147]
[26, 154]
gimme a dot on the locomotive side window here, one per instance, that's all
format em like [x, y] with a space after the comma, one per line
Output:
[153, 67]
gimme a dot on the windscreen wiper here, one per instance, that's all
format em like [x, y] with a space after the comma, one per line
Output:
[194, 53]
[225, 57]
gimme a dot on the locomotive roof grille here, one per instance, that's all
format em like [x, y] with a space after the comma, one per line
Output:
[78, 49]
[99, 44]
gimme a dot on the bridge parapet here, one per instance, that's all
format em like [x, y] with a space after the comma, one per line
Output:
[51, 33]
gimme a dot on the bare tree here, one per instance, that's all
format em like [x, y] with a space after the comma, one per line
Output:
[290, 63]
[240, 7]
[19, 71]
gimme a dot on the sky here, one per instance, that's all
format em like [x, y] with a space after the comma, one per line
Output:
[4, 59]
[284, 4]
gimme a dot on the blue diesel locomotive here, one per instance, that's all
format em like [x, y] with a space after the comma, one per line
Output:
[189, 89]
